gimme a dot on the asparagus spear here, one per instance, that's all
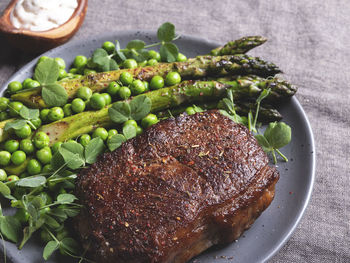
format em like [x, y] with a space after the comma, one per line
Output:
[239, 46]
[188, 91]
[194, 68]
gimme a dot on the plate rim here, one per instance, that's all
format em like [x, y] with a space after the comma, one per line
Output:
[123, 33]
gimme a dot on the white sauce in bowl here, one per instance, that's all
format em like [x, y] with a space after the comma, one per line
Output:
[42, 15]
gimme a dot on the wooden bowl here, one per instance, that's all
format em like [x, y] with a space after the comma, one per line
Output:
[39, 41]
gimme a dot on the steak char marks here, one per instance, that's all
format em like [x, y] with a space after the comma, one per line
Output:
[184, 185]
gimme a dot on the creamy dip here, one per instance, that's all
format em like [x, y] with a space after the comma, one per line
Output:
[42, 15]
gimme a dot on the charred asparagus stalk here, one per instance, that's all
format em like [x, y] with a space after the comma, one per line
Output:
[239, 46]
[194, 68]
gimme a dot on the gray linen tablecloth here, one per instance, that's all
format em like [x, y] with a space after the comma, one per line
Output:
[310, 41]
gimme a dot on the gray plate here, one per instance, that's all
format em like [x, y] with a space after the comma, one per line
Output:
[273, 228]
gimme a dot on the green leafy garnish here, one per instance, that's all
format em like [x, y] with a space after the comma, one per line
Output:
[93, 149]
[104, 60]
[47, 73]
[27, 116]
[136, 109]
[252, 123]
[276, 135]
[227, 108]
[116, 141]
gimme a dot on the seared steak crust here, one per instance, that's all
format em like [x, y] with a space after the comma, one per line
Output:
[184, 185]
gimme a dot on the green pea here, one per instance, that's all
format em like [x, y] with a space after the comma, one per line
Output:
[108, 46]
[97, 101]
[27, 146]
[124, 92]
[190, 110]
[12, 178]
[139, 130]
[15, 107]
[181, 57]
[78, 105]
[112, 132]
[84, 139]
[33, 167]
[61, 63]
[44, 115]
[84, 93]
[41, 140]
[11, 146]
[67, 110]
[14, 86]
[62, 74]
[172, 78]
[137, 87]
[126, 78]
[88, 71]
[107, 97]
[24, 132]
[80, 61]
[157, 82]
[56, 146]
[130, 122]
[41, 59]
[25, 82]
[44, 155]
[5, 158]
[4, 116]
[73, 71]
[130, 63]
[142, 63]
[55, 114]
[3, 175]
[47, 168]
[18, 157]
[113, 88]
[100, 132]
[32, 84]
[152, 54]
[149, 120]
[4, 102]
[146, 84]
[36, 122]
[152, 62]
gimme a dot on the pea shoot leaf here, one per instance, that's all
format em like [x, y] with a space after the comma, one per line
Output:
[59, 214]
[50, 221]
[119, 54]
[47, 71]
[32, 182]
[169, 52]
[129, 131]
[278, 134]
[10, 227]
[140, 106]
[16, 125]
[65, 199]
[54, 95]
[166, 32]
[115, 141]
[4, 189]
[50, 247]
[104, 61]
[263, 142]
[93, 149]
[29, 230]
[136, 44]
[29, 114]
[120, 112]
[73, 154]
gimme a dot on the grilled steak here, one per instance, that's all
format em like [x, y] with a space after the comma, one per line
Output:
[184, 185]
